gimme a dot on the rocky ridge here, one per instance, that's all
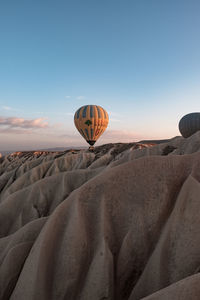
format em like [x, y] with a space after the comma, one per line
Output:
[121, 222]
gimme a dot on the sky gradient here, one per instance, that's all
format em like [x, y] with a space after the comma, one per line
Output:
[140, 60]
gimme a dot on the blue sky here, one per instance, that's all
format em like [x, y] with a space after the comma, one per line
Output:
[140, 60]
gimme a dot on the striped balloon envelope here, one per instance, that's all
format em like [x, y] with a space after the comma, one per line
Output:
[91, 121]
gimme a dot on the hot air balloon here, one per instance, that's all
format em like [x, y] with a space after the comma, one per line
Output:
[91, 121]
[189, 124]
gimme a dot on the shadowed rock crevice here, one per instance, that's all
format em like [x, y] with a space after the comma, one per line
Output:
[168, 149]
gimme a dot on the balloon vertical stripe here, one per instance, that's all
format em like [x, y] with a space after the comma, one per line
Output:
[82, 133]
[84, 111]
[99, 112]
[86, 131]
[92, 133]
[78, 112]
[91, 111]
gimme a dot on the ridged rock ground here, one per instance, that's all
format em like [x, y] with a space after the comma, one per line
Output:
[122, 222]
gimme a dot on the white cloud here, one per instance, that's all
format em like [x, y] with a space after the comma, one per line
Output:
[14, 122]
[9, 108]
[67, 97]
[114, 120]
[115, 117]
[80, 97]
[114, 114]
[6, 107]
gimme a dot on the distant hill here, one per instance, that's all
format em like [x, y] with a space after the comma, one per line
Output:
[156, 141]
[61, 149]
[56, 149]
[5, 152]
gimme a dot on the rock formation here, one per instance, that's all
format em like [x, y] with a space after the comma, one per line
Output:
[118, 223]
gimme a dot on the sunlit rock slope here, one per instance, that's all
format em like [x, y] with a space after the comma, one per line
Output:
[118, 223]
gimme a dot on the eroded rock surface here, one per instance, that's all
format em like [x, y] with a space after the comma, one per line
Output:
[118, 223]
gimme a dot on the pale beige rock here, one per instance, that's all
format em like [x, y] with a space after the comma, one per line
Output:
[119, 223]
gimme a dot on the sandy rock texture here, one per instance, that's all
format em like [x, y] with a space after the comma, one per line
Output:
[119, 223]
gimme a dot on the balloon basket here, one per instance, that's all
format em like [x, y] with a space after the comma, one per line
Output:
[91, 148]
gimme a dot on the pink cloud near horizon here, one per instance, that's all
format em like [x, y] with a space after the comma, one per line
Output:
[14, 122]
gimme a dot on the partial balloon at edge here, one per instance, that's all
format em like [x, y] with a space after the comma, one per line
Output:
[91, 121]
[189, 124]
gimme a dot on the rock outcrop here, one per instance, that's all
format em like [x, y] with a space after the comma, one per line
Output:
[118, 223]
